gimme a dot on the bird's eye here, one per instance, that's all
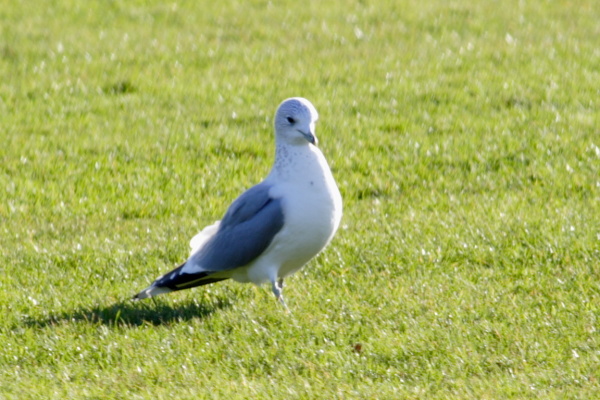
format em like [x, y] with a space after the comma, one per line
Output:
[291, 120]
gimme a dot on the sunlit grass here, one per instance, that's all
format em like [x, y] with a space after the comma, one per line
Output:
[464, 139]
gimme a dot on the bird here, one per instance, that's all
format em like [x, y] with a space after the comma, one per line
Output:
[274, 228]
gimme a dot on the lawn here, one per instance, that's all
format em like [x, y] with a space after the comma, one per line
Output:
[464, 137]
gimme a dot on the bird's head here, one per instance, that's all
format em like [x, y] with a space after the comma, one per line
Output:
[295, 121]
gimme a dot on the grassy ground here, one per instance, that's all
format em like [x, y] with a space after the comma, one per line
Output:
[464, 138]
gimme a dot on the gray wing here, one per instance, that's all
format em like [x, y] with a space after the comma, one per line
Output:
[245, 232]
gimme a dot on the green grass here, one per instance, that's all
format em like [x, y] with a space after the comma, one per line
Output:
[463, 135]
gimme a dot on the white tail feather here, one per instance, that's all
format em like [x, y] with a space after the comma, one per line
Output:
[202, 237]
[152, 291]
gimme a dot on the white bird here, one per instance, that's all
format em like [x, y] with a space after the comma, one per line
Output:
[274, 228]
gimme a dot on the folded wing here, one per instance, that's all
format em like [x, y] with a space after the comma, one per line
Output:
[244, 233]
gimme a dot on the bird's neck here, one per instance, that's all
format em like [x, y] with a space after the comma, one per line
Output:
[293, 161]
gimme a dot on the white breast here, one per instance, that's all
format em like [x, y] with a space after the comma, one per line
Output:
[312, 207]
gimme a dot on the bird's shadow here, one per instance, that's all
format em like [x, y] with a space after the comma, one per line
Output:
[132, 313]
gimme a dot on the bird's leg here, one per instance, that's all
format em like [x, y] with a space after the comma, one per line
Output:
[278, 291]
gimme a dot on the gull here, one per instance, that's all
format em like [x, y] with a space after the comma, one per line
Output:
[274, 228]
